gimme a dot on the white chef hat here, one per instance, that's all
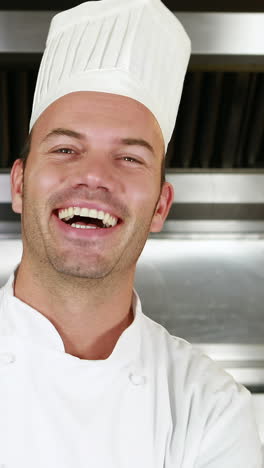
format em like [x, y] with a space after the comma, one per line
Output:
[134, 48]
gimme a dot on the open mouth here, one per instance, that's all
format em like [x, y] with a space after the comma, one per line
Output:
[85, 218]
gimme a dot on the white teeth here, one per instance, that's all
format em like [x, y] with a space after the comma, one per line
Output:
[93, 213]
[106, 218]
[84, 212]
[81, 226]
[63, 214]
[77, 210]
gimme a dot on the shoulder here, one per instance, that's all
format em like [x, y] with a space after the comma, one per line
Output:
[210, 412]
[176, 352]
[190, 371]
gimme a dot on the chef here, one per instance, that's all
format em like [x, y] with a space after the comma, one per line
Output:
[86, 379]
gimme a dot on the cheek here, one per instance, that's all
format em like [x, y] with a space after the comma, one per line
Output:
[144, 195]
[43, 180]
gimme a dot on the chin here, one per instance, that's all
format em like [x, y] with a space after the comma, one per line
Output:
[81, 271]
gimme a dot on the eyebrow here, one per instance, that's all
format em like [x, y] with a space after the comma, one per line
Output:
[80, 136]
[65, 132]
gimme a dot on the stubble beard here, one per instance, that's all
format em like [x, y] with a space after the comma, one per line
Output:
[44, 252]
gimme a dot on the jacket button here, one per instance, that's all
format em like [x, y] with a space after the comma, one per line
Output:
[137, 379]
[7, 358]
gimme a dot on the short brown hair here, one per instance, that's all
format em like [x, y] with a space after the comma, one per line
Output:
[26, 149]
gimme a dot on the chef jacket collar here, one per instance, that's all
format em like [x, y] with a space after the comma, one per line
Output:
[22, 321]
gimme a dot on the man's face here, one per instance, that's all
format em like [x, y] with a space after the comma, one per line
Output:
[79, 159]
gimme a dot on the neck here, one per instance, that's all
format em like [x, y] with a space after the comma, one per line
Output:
[89, 315]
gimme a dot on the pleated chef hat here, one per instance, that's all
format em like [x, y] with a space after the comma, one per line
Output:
[134, 48]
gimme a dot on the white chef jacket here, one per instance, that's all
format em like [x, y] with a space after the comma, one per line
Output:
[155, 402]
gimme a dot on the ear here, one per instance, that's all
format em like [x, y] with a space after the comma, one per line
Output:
[17, 185]
[163, 207]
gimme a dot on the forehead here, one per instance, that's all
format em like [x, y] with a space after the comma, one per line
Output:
[100, 116]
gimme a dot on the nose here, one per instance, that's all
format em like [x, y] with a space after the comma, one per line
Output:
[96, 172]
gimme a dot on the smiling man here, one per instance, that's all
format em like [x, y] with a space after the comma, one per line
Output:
[89, 195]
[87, 380]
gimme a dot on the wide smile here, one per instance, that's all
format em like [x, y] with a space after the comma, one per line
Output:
[86, 222]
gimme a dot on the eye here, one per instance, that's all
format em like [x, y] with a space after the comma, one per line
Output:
[131, 159]
[64, 150]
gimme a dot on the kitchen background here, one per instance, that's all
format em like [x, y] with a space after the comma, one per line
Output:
[203, 276]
